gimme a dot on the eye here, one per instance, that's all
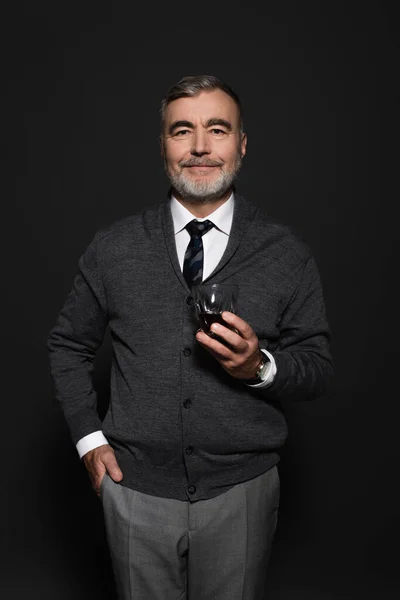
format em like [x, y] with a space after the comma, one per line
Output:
[217, 131]
[182, 133]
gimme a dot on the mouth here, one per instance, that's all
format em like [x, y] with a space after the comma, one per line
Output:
[201, 168]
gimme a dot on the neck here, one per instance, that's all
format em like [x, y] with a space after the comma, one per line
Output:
[200, 208]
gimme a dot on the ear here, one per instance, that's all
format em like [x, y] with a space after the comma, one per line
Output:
[161, 142]
[243, 144]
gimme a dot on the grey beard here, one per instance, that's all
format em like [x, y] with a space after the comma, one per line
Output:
[204, 191]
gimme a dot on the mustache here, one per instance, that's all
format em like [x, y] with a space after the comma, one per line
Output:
[200, 162]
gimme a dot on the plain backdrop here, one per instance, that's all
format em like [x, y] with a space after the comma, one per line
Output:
[320, 89]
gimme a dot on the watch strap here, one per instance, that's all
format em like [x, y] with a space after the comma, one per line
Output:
[264, 360]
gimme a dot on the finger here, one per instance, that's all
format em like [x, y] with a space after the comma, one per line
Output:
[98, 485]
[96, 478]
[110, 462]
[236, 342]
[243, 328]
[216, 348]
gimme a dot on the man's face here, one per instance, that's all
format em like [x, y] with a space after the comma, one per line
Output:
[202, 145]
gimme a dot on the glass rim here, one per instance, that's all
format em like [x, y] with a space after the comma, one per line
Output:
[203, 285]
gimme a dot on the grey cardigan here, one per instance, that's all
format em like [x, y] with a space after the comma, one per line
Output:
[180, 426]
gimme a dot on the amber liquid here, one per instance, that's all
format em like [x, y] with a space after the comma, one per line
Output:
[207, 319]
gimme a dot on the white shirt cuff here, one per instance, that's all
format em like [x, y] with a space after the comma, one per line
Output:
[90, 442]
[269, 373]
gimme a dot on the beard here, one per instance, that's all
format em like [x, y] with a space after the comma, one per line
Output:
[200, 190]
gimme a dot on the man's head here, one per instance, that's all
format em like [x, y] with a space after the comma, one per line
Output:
[202, 138]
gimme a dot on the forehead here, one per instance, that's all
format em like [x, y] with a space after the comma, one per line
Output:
[205, 106]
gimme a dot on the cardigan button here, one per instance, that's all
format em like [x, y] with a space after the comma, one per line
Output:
[192, 489]
[189, 300]
[187, 352]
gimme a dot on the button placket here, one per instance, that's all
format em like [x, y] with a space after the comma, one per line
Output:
[188, 350]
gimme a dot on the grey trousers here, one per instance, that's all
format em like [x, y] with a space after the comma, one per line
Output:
[163, 549]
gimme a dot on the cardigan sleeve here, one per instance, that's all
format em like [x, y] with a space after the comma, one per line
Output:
[302, 356]
[73, 342]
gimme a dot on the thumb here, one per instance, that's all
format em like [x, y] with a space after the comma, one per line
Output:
[113, 468]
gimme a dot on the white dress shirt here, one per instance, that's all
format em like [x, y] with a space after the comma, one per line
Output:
[214, 244]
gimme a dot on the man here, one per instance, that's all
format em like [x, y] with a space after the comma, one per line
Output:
[185, 460]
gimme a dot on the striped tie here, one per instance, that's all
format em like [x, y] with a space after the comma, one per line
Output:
[193, 263]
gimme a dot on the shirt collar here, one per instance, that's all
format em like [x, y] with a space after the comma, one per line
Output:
[222, 217]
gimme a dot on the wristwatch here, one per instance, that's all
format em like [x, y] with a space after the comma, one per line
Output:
[260, 371]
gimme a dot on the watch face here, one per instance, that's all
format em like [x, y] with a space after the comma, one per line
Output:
[261, 371]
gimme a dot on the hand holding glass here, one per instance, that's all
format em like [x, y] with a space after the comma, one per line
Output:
[211, 300]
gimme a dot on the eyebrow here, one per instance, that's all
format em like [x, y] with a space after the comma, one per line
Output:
[177, 124]
[209, 123]
[221, 122]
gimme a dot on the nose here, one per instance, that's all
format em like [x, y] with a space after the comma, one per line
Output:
[201, 144]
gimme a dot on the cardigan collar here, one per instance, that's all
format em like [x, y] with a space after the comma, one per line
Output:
[244, 214]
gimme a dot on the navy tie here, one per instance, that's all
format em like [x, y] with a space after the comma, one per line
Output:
[193, 263]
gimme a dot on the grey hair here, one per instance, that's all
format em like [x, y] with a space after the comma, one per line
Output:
[192, 86]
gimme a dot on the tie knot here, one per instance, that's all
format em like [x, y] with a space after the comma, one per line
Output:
[198, 228]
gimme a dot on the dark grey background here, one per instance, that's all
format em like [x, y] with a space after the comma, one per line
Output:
[319, 84]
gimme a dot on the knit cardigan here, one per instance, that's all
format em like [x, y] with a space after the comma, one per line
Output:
[181, 427]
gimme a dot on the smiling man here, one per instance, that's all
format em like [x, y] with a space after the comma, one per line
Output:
[203, 151]
[185, 461]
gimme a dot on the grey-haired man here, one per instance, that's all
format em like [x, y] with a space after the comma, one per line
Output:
[185, 459]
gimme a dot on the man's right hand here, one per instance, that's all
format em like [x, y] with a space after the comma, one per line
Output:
[98, 462]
